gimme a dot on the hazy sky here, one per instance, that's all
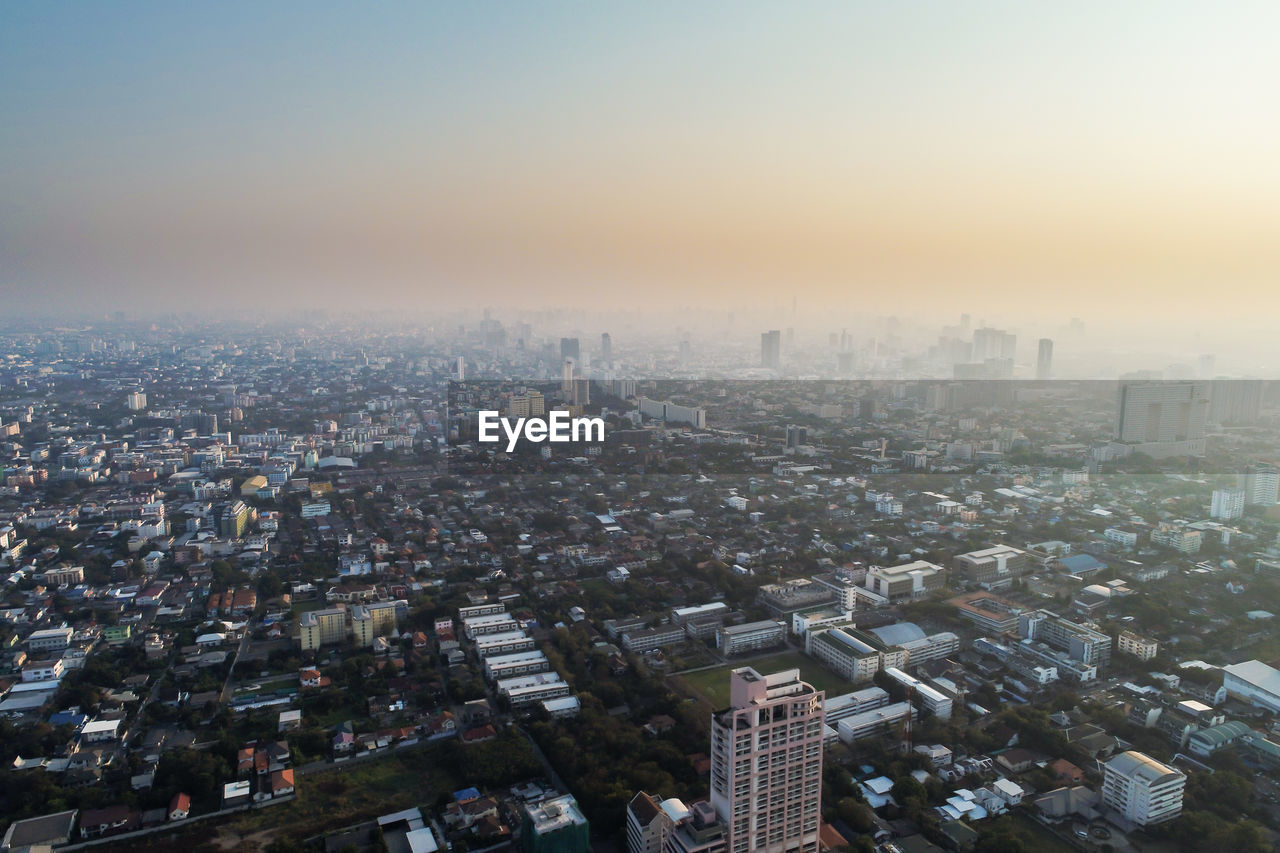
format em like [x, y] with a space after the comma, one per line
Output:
[1066, 158]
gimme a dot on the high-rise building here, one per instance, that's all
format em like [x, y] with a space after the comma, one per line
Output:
[606, 349]
[993, 343]
[1143, 790]
[233, 519]
[771, 349]
[1235, 401]
[136, 401]
[568, 370]
[1261, 484]
[569, 349]
[1044, 359]
[1227, 504]
[766, 763]
[1163, 419]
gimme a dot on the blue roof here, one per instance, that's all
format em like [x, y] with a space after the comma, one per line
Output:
[1077, 563]
[67, 718]
[466, 794]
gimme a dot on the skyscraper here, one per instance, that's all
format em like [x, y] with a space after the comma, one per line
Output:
[569, 349]
[766, 762]
[1163, 419]
[606, 349]
[1044, 360]
[993, 343]
[771, 349]
[1227, 504]
[1235, 401]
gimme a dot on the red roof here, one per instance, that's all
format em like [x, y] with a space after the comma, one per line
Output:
[180, 803]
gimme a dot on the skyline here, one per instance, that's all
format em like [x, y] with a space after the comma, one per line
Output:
[996, 159]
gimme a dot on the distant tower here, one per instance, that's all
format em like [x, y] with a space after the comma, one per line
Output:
[606, 349]
[1044, 361]
[771, 349]
[569, 349]
[462, 369]
[567, 371]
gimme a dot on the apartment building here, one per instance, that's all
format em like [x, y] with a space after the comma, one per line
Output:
[766, 763]
[1143, 790]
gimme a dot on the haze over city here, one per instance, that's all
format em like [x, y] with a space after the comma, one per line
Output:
[1035, 162]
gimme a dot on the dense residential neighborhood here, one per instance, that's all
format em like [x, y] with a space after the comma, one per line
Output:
[267, 589]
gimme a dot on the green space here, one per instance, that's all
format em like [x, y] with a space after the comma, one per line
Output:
[267, 685]
[713, 684]
[1040, 837]
[300, 607]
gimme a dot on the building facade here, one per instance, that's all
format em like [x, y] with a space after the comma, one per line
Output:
[766, 763]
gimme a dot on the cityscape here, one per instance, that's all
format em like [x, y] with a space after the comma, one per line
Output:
[639, 428]
[266, 588]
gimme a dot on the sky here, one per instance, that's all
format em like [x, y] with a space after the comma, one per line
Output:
[1046, 158]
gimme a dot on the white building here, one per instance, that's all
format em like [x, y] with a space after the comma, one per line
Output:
[1138, 646]
[1254, 682]
[876, 722]
[1142, 789]
[929, 699]
[1227, 504]
[737, 639]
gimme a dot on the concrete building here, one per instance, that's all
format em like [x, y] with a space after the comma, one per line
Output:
[370, 621]
[697, 829]
[1135, 645]
[647, 825]
[1079, 642]
[1227, 504]
[1261, 484]
[906, 582]
[874, 723]
[753, 636]
[508, 642]
[322, 628]
[926, 697]
[1144, 791]
[555, 826]
[766, 763]
[50, 639]
[499, 667]
[526, 690]
[852, 654]
[1163, 419]
[491, 623]
[993, 568]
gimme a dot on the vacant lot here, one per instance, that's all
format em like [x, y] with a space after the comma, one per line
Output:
[713, 684]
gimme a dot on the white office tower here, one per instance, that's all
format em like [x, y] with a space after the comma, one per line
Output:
[136, 401]
[1142, 789]
[1227, 504]
[766, 763]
